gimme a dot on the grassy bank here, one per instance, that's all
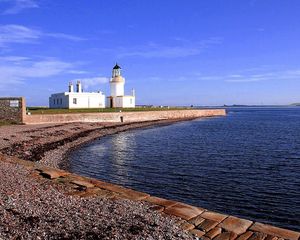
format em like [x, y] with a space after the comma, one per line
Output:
[39, 110]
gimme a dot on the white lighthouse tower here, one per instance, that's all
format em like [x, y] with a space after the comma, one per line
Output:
[117, 99]
[117, 82]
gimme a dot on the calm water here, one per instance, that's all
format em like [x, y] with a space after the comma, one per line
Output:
[246, 164]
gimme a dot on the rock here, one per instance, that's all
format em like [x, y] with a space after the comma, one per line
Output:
[226, 236]
[184, 211]
[275, 231]
[160, 201]
[214, 216]
[207, 225]
[213, 232]
[197, 232]
[82, 183]
[236, 225]
[245, 235]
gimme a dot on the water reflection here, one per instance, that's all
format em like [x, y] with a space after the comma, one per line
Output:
[119, 146]
[246, 164]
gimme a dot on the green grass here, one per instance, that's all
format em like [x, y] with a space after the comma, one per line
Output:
[41, 110]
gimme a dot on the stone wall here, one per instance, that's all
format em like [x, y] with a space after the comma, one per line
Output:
[12, 109]
[123, 116]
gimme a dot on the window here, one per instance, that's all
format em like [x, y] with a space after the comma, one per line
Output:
[130, 100]
[61, 101]
[74, 100]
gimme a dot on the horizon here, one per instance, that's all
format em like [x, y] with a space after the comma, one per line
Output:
[208, 53]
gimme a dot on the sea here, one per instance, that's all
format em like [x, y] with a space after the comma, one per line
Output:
[245, 164]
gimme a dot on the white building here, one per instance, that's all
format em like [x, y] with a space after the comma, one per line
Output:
[78, 99]
[117, 99]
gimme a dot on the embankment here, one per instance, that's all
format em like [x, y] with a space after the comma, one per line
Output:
[122, 116]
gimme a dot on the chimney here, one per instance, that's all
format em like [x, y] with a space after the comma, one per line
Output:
[71, 87]
[79, 88]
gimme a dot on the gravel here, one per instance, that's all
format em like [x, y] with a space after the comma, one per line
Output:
[39, 209]
[36, 208]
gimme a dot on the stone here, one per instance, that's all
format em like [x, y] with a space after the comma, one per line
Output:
[245, 235]
[52, 173]
[204, 238]
[207, 225]
[82, 183]
[236, 225]
[90, 192]
[197, 232]
[214, 216]
[226, 236]
[160, 201]
[214, 232]
[275, 231]
[196, 220]
[183, 211]
[186, 226]
[134, 195]
[109, 186]
[157, 208]
[258, 236]
[124, 192]
[270, 237]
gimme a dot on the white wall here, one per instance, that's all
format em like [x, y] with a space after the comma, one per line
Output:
[83, 100]
[59, 100]
[128, 102]
[116, 89]
[118, 102]
[124, 102]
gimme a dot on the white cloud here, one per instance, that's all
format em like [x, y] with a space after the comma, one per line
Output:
[91, 82]
[20, 69]
[17, 34]
[247, 76]
[244, 76]
[184, 49]
[77, 72]
[20, 34]
[64, 36]
[13, 58]
[19, 5]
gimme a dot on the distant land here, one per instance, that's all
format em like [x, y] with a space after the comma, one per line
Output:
[250, 106]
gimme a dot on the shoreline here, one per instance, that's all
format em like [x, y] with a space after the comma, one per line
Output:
[63, 164]
[56, 141]
[50, 144]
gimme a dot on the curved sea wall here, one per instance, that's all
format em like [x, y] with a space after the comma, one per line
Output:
[123, 116]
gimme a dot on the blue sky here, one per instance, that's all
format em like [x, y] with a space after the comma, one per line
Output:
[173, 52]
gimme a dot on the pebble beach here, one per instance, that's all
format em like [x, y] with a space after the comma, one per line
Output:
[35, 208]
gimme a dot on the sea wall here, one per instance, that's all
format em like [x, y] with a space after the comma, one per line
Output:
[12, 109]
[123, 116]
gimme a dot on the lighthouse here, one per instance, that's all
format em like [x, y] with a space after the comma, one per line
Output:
[117, 82]
[117, 98]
